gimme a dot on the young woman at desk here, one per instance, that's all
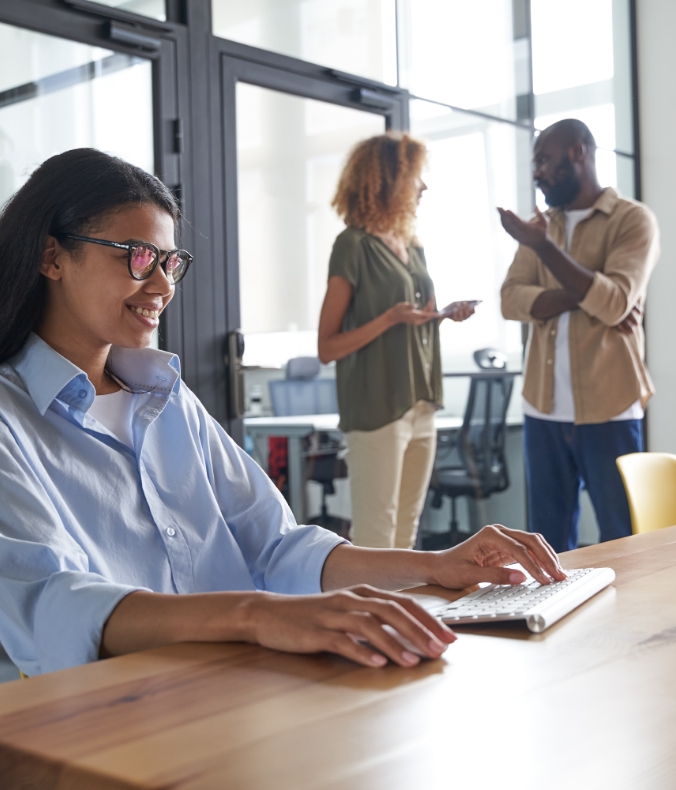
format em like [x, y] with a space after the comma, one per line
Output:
[129, 518]
[380, 322]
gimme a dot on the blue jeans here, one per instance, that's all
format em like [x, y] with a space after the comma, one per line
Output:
[562, 458]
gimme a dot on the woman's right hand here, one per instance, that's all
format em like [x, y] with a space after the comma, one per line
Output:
[340, 622]
[407, 313]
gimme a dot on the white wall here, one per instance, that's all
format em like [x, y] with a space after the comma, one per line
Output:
[656, 25]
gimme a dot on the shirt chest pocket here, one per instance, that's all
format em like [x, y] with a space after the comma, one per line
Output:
[590, 248]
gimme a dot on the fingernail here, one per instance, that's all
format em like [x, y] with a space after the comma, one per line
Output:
[515, 577]
[436, 647]
[410, 658]
[378, 660]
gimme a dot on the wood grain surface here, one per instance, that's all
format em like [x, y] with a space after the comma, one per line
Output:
[590, 703]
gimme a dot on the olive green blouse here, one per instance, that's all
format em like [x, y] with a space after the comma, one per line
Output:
[384, 379]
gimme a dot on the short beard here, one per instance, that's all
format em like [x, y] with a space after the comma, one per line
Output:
[567, 187]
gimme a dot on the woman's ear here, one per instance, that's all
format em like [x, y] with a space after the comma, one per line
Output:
[50, 265]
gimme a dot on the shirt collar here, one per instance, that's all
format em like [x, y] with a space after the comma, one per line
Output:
[606, 201]
[47, 375]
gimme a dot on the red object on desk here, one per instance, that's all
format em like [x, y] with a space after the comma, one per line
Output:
[278, 462]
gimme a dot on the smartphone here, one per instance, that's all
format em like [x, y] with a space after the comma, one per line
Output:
[451, 308]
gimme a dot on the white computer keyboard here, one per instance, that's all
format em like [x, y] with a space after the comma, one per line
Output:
[540, 605]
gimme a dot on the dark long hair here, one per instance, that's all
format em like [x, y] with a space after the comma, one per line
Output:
[69, 193]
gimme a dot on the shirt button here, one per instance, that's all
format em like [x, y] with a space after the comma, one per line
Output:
[82, 394]
[171, 532]
[424, 341]
[549, 361]
[417, 296]
[553, 332]
[427, 365]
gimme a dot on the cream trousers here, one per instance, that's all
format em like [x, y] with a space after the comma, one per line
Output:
[389, 471]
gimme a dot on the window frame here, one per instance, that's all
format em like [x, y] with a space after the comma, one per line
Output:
[194, 77]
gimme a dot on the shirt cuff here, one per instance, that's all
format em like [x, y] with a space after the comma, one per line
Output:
[598, 297]
[69, 618]
[297, 564]
[519, 306]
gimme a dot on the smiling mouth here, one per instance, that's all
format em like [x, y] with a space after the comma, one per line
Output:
[146, 313]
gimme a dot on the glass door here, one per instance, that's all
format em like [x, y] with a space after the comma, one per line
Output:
[290, 151]
[57, 94]
[287, 130]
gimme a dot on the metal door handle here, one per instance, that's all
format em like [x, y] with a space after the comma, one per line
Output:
[235, 374]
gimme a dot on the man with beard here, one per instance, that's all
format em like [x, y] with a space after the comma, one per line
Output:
[579, 278]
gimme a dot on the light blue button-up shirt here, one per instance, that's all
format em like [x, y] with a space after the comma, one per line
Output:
[84, 520]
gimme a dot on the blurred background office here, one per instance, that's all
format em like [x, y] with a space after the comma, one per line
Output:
[248, 110]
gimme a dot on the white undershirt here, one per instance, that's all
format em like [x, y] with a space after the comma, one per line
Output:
[115, 412]
[563, 407]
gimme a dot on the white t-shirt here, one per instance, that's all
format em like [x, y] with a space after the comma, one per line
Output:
[563, 407]
[115, 412]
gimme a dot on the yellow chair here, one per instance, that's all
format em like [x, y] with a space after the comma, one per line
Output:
[650, 482]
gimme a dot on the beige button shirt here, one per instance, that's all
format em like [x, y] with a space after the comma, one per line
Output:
[619, 242]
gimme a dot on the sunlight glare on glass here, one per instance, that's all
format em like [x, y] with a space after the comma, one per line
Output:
[600, 120]
[460, 53]
[572, 43]
[355, 36]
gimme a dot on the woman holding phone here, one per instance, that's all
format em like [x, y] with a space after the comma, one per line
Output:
[379, 321]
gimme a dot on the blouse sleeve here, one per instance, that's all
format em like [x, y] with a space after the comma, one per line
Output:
[346, 258]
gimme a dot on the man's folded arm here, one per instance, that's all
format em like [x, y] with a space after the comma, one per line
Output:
[619, 287]
[521, 289]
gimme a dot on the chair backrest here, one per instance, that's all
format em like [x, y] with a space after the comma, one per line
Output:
[650, 482]
[303, 368]
[482, 437]
[291, 397]
[490, 359]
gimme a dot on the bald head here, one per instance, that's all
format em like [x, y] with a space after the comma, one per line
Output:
[568, 133]
[564, 157]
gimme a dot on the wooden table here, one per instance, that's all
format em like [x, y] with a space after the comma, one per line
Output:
[591, 703]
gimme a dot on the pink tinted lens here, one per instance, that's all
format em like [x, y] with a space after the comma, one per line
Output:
[142, 261]
[175, 268]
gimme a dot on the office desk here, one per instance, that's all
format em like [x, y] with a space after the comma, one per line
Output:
[295, 429]
[589, 704]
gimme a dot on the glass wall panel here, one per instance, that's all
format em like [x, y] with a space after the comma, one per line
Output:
[57, 94]
[356, 36]
[152, 8]
[584, 71]
[470, 55]
[474, 166]
[290, 154]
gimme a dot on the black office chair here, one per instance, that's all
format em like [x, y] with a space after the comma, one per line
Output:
[482, 469]
[490, 359]
[324, 465]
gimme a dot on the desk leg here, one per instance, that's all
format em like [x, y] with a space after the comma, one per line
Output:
[296, 478]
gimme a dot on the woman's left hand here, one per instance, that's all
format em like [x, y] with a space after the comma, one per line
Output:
[482, 558]
[458, 311]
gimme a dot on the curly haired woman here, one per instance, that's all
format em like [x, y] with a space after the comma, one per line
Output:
[379, 321]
